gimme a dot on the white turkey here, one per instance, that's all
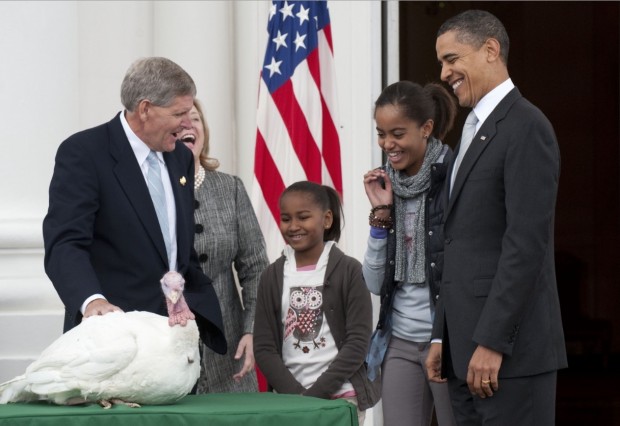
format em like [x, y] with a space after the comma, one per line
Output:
[132, 358]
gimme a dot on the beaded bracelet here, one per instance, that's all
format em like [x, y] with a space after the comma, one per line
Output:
[380, 223]
[377, 222]
[380, 207]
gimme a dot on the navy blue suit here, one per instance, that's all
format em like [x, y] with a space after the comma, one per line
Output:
[102, 235]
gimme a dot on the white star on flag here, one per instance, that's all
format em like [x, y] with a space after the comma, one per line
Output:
[272, 11]
[287, 10]
[273, 67]
[303, 14]
[299, 41]
[280, 40]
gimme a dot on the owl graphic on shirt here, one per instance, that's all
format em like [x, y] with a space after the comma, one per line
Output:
[304, 317]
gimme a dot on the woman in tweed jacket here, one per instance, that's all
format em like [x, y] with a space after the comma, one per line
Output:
[227, 240]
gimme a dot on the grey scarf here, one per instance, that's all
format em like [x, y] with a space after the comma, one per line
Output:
[405, 188]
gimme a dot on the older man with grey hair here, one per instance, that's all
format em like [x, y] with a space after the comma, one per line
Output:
[121, 206]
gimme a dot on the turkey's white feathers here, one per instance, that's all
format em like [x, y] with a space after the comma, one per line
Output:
[135, 356]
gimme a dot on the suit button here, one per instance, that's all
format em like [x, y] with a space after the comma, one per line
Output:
[196, 204]
[203, 257]
[437, 297]
[430, 232]
[199, 228]
[448, 240]
[391, 230]
[432, 264]
[391, 262]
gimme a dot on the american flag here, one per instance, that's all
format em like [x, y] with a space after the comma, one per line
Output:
[296, 137]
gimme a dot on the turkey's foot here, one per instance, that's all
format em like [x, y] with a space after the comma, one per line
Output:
[107, 403]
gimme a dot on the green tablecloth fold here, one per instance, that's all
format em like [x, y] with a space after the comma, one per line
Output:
[247, 409]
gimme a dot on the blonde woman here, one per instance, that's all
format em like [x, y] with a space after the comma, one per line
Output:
[227, 240]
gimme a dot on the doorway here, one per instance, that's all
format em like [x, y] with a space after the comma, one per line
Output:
[563, 58]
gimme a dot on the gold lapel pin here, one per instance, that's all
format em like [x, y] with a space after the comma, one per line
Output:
[183, 180]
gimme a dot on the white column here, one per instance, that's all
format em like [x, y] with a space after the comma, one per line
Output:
[356, 30]
[40, 102]
[62, 69]
[111, 35]
[198, 36]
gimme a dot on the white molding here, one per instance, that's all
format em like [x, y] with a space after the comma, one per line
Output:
[23, 336]
[24, 233]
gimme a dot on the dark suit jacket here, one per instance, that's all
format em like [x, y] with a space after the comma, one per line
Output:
[499, 287]
[102, 236]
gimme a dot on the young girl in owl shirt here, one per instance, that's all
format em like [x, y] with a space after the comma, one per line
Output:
[313, 313]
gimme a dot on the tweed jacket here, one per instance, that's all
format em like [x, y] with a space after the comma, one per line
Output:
[228, 237]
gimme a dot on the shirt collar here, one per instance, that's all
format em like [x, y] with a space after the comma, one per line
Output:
[140, 149]
[487, 104]
[289, 253]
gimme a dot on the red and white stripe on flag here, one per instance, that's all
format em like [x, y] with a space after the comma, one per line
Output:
[296, 136]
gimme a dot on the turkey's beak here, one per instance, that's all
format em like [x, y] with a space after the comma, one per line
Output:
[174, 296]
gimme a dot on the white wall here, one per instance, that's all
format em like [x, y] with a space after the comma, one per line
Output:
[61, 65]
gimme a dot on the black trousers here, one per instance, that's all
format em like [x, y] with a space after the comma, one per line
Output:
[520, 401]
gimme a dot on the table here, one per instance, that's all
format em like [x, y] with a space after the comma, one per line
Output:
[246, 409]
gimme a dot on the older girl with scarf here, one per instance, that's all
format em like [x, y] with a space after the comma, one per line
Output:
[403, 260]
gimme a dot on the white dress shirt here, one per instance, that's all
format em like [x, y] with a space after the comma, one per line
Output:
[487, 104]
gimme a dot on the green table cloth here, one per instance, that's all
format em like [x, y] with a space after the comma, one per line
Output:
[247, 409]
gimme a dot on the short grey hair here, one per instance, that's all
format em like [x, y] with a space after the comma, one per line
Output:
[474, 27]
[156, 79]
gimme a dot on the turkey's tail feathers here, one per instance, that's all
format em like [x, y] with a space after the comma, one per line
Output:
[11, 390]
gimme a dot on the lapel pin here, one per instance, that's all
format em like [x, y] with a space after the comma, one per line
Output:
[484, 138]
[183, 180]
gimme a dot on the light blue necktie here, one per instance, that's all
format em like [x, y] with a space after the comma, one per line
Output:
[469, 130]
[156, 188]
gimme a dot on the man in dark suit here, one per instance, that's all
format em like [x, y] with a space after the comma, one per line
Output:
[105, 249]
[498, 312]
